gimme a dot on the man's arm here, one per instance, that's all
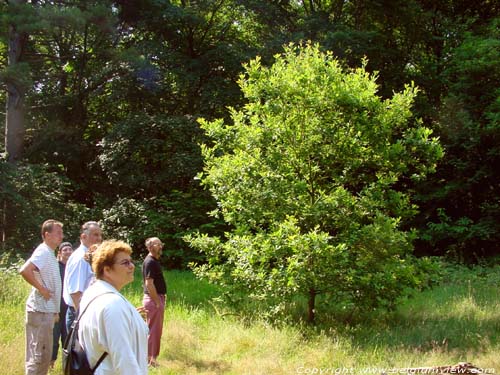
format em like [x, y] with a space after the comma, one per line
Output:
[27, 271]
[150, 285]
[76, 297]
[74, 281]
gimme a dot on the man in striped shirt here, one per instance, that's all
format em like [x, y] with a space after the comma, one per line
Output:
[41, 270]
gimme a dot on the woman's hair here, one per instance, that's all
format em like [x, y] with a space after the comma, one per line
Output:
[105, 255]
[65, 244]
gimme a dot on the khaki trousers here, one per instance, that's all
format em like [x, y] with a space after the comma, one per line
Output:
[39, 338]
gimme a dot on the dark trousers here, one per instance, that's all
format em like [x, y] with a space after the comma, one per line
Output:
[70, 317]
[60, 331]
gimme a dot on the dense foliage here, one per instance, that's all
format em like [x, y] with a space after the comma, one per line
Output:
[111, 92]
[463, 205]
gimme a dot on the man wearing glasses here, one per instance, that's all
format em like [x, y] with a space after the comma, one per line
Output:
[155, 290]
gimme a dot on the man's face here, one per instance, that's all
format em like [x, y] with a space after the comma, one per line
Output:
[54, 238]
[65, 253]
[156, 248]
[93, 237]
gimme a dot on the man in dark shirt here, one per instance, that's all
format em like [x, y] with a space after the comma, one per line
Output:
[155, 290]
[60, 332]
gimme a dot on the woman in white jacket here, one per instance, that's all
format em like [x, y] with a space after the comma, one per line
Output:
[111, 324]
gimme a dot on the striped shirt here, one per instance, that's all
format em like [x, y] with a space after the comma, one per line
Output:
[48, 275]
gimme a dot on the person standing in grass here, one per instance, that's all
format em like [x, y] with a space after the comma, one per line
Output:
[78, 270]
[41, 270]
[60, 331]
[111, 324]
[155, 291]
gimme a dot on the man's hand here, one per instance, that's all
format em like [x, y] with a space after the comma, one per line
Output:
[46, 293]
[143, 312]
[31, 274]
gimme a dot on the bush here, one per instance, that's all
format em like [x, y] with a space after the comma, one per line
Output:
[170, 218]
[30, 195]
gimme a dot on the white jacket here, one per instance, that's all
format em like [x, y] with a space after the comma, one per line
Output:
[111, 324]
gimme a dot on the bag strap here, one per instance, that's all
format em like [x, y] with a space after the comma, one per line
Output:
[77, 324]
[78, 316]
[99, 361]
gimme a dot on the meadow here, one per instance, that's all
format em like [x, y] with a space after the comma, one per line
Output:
[456, 321]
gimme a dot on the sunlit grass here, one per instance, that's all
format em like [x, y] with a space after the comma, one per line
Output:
[456, 321]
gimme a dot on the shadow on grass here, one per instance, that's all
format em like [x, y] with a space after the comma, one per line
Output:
[448, 318]
[201, 366]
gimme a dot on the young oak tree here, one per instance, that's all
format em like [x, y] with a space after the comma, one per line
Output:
[311, 176]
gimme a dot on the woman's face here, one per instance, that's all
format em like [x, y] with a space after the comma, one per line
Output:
[122, 271]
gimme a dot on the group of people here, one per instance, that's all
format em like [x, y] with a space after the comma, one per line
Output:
[88, 282]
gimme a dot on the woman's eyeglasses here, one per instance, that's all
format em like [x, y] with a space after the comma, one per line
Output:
[126, 263]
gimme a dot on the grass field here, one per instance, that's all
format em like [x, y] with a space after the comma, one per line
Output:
[459, 320]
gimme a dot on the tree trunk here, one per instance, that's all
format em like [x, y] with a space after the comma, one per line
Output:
[4, 224]
[310, 308]
[14, 108]
[14, 118]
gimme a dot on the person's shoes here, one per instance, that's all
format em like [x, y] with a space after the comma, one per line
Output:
[153, 363]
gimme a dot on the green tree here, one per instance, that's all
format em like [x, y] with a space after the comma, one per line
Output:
[161, 197]
[311, 175]
[74, 60]
[50, 77]
[103, 75]
[67, 61]
[462, 205]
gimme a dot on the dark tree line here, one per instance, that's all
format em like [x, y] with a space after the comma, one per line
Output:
[102, 100]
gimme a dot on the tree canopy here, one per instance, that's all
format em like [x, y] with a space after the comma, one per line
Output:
[102, 99]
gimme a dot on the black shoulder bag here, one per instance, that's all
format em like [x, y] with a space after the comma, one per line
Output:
[74, 358]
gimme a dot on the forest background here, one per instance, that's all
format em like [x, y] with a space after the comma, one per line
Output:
[103, 99]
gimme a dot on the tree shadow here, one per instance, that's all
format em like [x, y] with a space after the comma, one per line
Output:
[458, 320]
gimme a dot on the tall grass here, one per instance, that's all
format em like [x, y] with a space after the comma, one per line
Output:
[13, 294]
[459, 320]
